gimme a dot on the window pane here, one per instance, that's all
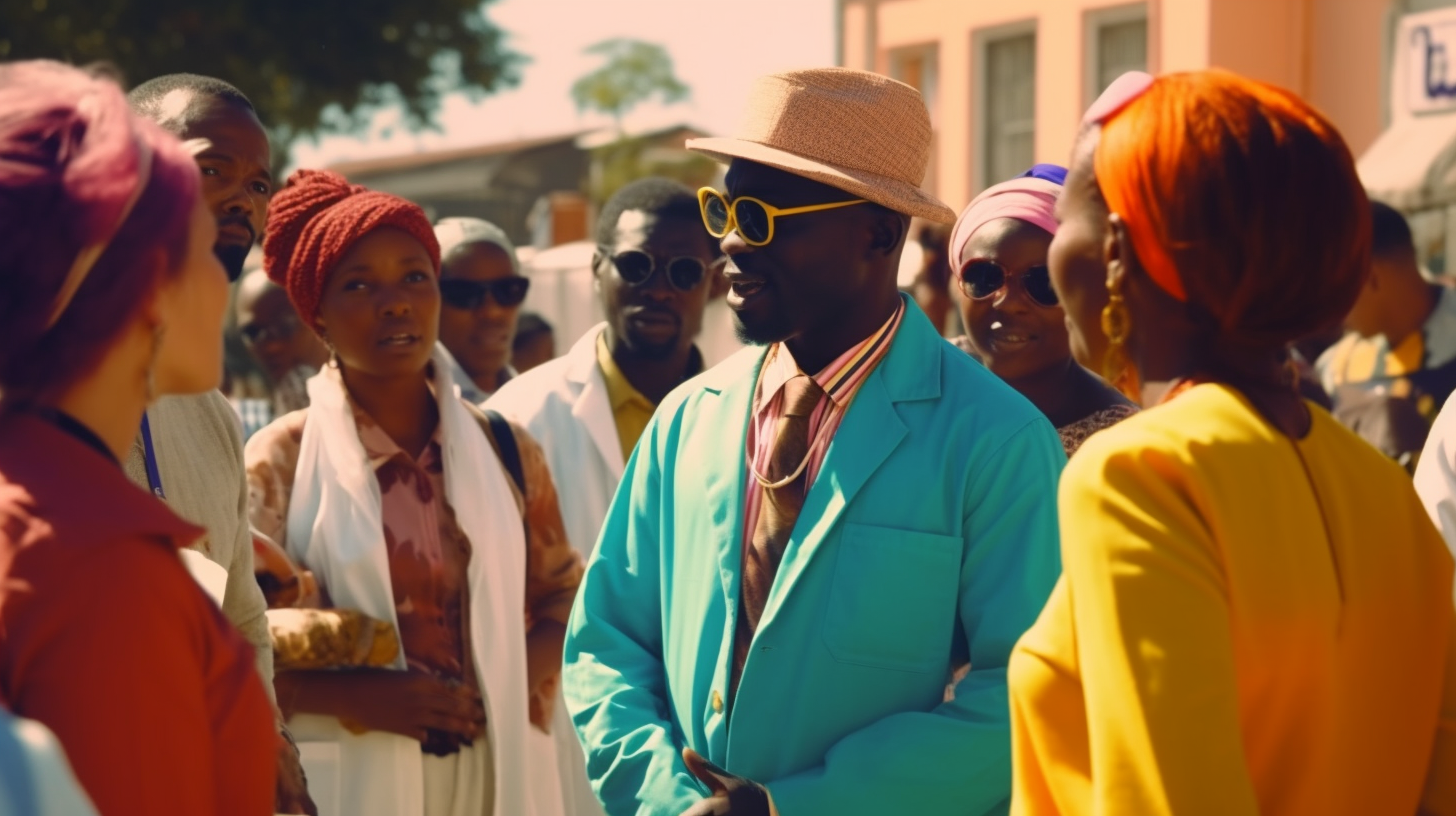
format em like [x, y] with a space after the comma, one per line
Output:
[1010, 128]
[1121, 47]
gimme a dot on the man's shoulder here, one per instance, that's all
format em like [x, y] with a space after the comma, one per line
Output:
[741, 366]
[205, 423]
[969, 389]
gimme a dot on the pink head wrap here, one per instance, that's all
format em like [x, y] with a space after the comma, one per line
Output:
[1032, 200]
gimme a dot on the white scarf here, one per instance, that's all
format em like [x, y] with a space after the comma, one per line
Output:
[336, 529]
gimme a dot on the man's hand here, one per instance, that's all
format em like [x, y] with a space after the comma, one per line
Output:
[731, 795]
[292, 795]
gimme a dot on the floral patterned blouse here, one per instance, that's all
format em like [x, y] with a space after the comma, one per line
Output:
[428, 552]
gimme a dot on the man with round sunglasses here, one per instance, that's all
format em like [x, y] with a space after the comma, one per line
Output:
[815, 533]
[589, 407]
[481, 292]
[1015, 324]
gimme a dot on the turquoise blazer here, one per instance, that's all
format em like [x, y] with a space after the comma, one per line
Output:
[929, 534]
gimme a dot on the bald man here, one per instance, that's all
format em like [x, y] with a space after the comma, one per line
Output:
[287, 351]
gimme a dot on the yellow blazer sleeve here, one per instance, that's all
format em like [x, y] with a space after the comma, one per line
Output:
[1439, 798]
[1150, 606]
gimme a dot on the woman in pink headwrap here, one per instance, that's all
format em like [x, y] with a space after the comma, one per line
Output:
[1016, 325]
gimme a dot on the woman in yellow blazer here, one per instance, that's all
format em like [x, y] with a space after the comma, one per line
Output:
[1255, 614]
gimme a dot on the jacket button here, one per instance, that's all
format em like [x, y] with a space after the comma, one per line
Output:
[717, 702]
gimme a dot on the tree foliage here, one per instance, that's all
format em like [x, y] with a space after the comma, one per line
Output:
[633, 72]
[630, 158]
[296, 59]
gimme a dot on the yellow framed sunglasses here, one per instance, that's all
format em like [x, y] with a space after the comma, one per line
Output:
[754, 219]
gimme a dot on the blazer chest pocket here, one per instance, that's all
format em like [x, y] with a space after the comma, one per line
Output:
[892, 604]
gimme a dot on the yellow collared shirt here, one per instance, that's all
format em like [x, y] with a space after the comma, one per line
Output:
[630, 409]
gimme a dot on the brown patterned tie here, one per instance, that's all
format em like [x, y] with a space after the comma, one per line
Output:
[777, 512]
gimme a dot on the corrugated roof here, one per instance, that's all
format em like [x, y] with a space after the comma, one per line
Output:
[409, 161]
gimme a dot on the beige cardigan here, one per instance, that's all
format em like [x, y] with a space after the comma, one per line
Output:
[199, 447]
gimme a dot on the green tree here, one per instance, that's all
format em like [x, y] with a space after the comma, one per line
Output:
[309, 66]
[633, 72]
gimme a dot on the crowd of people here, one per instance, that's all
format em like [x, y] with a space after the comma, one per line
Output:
[1140, 500]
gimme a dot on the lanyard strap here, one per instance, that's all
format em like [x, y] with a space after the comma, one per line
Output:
[154, 475]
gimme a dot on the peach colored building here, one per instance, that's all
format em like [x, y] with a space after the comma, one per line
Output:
[1007, 80]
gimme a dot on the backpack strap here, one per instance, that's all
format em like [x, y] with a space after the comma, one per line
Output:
[505, 444]
[503, 439]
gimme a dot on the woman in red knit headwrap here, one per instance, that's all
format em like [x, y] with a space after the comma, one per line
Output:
[1255, 613]
[110, 296]
[396, 494]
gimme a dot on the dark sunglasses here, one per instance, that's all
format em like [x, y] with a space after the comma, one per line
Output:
[467, 294]
[637, 268]
[281, 329]
[982, 279]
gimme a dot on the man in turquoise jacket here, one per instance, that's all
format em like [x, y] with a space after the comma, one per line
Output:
[795, 564]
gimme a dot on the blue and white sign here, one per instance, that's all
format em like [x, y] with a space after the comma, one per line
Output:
[1425, 69]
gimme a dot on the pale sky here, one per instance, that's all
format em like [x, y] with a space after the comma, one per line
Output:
[717, 47]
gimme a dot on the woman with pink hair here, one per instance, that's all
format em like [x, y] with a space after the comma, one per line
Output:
[112, 297]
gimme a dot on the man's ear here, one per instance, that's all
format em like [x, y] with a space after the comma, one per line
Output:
[887, 232]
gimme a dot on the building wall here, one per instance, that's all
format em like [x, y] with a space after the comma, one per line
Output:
[1331, 51]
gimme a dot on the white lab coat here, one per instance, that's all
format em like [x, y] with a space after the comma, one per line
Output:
[1436, 474]
[565, 407]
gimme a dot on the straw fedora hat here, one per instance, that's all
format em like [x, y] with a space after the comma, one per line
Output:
[860, 132]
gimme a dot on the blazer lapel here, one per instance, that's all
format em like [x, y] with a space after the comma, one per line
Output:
[723, 416]
[869, 434]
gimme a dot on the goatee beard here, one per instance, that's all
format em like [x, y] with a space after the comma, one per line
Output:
[233, 258]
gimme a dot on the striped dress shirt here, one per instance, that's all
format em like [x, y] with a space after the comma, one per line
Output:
[840, 380]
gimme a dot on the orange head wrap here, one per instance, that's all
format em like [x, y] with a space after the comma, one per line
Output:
[1240, 200]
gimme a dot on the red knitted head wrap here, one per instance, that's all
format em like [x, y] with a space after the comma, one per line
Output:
[1241, 200]
[316, 218]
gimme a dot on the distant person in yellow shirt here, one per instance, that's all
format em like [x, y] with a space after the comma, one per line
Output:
[1390, 374]
[1255, 614]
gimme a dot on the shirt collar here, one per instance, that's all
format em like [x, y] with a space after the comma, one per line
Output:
[380, 448]
[115, 507]
[836, 378]
[620, 390]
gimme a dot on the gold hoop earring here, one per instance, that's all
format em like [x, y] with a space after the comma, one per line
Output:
[1117, 367]
[158, 332]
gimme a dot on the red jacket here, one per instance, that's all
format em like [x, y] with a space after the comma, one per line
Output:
[107, 640]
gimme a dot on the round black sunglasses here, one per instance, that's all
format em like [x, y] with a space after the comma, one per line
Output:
[981, 279]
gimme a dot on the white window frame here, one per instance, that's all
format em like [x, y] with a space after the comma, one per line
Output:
[929, 53]
[1093, 21]
[981, 40]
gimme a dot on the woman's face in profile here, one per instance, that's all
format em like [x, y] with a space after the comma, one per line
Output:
[1077, 257]
[190, 305]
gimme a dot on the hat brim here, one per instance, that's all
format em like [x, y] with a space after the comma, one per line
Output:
[892, 193]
